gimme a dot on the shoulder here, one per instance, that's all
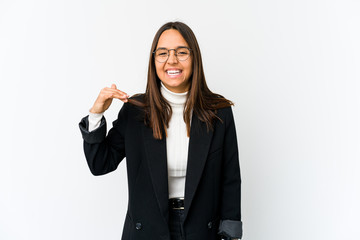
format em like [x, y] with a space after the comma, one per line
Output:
[225, 113]
[135, 102]
[219, 102]
[134, 108]
[138, 97]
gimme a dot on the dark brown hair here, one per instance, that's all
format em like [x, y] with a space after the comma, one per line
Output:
[200, 99]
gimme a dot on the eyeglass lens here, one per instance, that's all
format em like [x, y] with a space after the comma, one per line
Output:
[161, 55]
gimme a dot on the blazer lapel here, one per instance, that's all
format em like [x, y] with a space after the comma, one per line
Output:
[157, 163]
[199, 144]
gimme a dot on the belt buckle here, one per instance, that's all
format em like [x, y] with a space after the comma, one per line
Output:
[178, 208]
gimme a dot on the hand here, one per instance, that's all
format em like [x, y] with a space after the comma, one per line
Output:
[105, 98]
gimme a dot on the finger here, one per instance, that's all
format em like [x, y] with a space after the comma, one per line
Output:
[114, 94]
[121, 98]
[113, 91]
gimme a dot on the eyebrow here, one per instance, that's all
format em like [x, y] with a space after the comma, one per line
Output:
[175, 48]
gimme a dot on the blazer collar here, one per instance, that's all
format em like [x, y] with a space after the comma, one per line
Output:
[199, 144]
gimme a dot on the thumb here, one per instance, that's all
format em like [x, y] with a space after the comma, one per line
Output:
[113, 86]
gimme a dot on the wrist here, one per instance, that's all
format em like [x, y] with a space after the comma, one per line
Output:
[94, 111]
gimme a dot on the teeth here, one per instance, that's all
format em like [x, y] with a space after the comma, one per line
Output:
[173, 72]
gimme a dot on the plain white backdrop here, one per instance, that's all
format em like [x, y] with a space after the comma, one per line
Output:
[291, 67]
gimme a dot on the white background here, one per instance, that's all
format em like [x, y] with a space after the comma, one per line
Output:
[291, 67]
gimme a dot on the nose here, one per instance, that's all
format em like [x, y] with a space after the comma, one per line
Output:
[172, 57]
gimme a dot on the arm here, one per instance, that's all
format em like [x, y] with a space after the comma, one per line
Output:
[94, 120]
[230, 224]
[104, 153]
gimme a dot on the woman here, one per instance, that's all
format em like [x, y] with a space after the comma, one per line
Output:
[180, 145]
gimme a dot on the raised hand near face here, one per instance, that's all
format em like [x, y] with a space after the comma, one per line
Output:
[105, 98]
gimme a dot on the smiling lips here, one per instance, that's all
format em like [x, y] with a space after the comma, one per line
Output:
[173, 72]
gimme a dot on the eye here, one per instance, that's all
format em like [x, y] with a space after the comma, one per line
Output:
[182, 51]
[161, 53]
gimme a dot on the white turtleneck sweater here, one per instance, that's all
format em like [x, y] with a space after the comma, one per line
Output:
[177, 141]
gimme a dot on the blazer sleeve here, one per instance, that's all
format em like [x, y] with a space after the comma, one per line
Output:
[104, 153]
[230, 223]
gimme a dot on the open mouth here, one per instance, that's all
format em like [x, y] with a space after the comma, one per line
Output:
[174, 72]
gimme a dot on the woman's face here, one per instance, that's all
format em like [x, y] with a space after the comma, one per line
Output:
[178, 80]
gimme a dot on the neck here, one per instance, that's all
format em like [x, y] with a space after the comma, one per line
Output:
[172, 97]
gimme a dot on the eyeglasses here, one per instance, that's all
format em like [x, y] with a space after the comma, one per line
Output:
[162, 54]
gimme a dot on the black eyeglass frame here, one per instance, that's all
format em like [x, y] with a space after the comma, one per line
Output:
[175, 49]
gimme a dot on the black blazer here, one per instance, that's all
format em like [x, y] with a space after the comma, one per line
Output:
[212, 188]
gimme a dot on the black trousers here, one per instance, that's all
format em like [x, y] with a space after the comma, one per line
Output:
[176, 216]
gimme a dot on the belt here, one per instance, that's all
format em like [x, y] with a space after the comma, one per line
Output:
[176, 203]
